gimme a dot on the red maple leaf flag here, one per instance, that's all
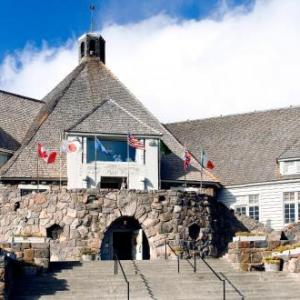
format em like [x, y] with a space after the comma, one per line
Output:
[48, 158]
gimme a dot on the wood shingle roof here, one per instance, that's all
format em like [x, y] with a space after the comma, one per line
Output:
[244, 147]
[76, 104]
[17, 113]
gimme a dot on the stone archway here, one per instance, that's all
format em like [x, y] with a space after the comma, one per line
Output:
[126, 238]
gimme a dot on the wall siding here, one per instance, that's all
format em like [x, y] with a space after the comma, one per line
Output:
[271, 210]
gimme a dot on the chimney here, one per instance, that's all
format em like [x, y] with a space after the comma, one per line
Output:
[91, 45]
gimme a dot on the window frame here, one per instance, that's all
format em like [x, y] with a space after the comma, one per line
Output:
[295, 201]
[249, 203]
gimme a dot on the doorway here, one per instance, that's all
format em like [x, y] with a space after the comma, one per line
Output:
[126, 238]
[113, 182]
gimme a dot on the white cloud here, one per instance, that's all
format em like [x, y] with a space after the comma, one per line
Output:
[187, 69]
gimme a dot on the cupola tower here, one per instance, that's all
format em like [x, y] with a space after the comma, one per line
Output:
[91, 45]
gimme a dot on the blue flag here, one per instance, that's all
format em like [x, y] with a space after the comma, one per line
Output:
[99, 146]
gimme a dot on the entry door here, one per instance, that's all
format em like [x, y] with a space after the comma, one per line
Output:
[137, 247]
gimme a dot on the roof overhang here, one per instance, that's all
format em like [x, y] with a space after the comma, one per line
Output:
[115, 135]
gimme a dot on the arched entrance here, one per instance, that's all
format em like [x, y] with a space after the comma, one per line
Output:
[126, 238]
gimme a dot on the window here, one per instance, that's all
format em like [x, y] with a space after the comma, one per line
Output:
[249, 205]
[92, 47]
[254, 212]
[82, 49]
[254, 207]
[290, 167]
[289, 213]
[110, 150]
[291, 206]
[241, 210]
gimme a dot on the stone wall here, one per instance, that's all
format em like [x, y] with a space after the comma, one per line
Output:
[84, 216]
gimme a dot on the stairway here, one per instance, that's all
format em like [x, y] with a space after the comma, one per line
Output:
[156, 279]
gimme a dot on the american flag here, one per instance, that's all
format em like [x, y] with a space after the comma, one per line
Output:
[135, 143]
[186, 158]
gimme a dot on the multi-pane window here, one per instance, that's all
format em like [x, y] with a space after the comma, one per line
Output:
[254, 212]
[291, 207]
[241, 210]
[289, 212]
[254, 207]
[248, 205]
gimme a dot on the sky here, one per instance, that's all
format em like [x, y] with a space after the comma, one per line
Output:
[184, 59]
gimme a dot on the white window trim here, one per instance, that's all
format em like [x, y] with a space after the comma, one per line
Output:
[247, 204]
[296, 201]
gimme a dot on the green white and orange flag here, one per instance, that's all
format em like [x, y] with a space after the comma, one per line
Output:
[205, 162]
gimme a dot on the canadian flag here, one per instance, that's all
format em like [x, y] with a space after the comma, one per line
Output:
[48, 158]
[205, 162]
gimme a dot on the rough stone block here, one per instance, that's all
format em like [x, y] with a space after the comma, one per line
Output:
[42, 262]
[260, 244]
[28, 255]
[41, 253]
[40, 245]
[273, 244]
[71, 212]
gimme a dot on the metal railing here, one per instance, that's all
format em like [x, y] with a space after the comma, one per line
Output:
[117, 263]
[217, 275]
[233, 286]
[194, 266]
[177, 256]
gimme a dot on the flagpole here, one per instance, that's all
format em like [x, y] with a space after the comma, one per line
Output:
[60, 152]
[37, 174]
[201, 171]
[159, 161]
[128, 161]
[95, 153]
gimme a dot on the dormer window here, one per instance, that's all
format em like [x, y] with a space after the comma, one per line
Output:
[289, 167]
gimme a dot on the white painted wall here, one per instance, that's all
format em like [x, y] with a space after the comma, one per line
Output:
[271, 206]
[142, 174]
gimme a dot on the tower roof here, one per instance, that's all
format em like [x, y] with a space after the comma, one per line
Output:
[88, 92]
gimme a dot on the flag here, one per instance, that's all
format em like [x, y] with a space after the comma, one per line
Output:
[186, 158]
[100, 146]
[205, 162]
[135, 143]
[48, 158]
[70, 146]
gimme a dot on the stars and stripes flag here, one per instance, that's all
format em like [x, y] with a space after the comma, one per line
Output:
[135, 143]
[49, 158]
[186, 158]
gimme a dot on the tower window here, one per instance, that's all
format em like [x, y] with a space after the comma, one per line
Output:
[82, 49]
[92, 47]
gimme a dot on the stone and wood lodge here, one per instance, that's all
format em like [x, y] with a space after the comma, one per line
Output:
[257, 155]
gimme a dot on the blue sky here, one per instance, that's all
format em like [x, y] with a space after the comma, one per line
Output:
[35, 21]
[215, 56]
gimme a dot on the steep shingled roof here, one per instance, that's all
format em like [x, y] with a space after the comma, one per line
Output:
[244, 147]
[292, 152]
[17, 113]
[79, 96]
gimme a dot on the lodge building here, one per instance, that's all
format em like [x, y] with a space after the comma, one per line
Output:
[256, 155]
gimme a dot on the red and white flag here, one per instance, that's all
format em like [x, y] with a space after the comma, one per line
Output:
[70, 146]
[43, 154]
[187, 157]
[205, 162]
[135, 143]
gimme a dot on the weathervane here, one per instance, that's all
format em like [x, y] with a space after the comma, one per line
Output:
[92, 9]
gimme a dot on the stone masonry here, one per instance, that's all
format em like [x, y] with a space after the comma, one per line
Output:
[81, 218]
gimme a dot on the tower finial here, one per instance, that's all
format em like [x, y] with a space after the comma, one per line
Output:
[92, 9]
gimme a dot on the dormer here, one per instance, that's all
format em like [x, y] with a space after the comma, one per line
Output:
[91, 45]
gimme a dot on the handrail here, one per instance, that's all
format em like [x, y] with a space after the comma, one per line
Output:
[116, 263]
[178, 262]
[234, 287]
[216, 274]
